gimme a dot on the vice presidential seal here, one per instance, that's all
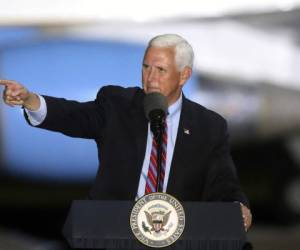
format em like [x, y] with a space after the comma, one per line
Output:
[157, 220]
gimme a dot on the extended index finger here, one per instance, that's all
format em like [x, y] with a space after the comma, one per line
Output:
[5, 82]
[10, 84]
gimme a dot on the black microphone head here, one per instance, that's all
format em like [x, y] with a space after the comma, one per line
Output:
[155, 104]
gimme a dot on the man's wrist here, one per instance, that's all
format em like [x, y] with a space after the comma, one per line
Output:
[38, 116]
[32, 103]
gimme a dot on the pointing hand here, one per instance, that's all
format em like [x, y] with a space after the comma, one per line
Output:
[16, 94]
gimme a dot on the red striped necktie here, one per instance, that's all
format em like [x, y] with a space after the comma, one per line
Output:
[152, 171]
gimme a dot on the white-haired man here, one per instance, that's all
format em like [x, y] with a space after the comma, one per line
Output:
[198, 162]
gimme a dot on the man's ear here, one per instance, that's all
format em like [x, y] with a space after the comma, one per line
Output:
[185, 74]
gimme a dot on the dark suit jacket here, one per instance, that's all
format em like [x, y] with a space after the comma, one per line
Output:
[201, 169]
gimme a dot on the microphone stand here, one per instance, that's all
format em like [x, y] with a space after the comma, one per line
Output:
[158, 140]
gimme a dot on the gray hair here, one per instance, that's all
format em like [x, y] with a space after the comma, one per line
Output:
[184, 54]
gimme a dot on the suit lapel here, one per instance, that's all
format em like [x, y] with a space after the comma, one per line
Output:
[177, 171]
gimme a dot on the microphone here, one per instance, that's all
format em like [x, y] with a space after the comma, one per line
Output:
[156, 108]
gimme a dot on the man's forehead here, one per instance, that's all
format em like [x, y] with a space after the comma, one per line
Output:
[160, 48]
[160, 53]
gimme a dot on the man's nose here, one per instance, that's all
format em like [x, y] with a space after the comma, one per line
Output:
[151, 75]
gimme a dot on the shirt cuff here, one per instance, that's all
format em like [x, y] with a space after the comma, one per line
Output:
[38, 116]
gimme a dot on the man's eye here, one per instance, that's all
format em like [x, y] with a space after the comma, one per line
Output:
[145, 66]
[161, 69]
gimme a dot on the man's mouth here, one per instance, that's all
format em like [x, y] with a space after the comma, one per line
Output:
[152, 89]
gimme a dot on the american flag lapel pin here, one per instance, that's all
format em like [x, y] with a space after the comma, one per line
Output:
[186, 131]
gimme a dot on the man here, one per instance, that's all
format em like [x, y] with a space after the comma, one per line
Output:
[198, 162]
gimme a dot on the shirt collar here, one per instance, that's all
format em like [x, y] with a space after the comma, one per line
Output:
[175, 107]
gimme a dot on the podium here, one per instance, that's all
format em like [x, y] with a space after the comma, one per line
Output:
[105, 225]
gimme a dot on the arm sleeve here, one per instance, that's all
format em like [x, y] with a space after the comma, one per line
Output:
[75, 119]
[222, 180]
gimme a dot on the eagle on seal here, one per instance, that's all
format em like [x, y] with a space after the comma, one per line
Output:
[157, 220]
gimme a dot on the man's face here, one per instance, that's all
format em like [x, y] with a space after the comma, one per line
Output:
[160, 73]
